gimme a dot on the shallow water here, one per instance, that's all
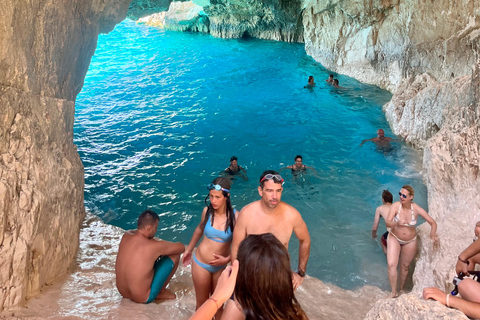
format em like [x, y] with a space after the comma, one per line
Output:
[162, 112]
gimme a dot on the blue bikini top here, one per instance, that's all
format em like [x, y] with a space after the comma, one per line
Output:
[216, 235]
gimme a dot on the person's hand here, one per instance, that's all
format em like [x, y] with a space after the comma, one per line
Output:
[434, 237]
[296, 280]
[219, 260]
[187, 258]
[226, 283]
[374, 233]
[435, 294]
[462, 267]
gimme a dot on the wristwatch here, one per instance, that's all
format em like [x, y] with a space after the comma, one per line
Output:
[301, 273]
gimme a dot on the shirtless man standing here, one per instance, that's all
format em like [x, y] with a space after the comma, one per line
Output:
[270, 215]
[382, 211]
[145, 265]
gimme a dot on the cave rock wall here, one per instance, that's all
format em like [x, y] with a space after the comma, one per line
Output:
[45, 51]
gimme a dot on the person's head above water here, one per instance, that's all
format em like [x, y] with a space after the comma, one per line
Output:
[264, 286]
[335, 82]
[233, 161]
[387, 196]
[148, 221]
[380, 133]
[298, 160]
[311, 80]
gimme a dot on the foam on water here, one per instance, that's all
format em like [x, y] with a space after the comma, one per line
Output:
[161, 113]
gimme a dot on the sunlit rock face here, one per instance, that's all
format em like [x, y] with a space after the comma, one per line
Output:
[45, 51]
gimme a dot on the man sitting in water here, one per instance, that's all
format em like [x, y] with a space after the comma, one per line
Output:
[380, 140]
[145, 265]
[382, 211]
[298, 167]
[234, 169]
[469, 289]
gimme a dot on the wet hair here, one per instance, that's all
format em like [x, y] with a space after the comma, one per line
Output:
[335, 81]
[410, 190]
[262, 183]
[231, 159]
[298, 156]
[330, 76]
[226, 184]
[387, 196]
[146, 218]
[264, 286]
[310, 78]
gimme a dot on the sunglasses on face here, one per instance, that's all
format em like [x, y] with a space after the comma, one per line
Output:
[276, 178]
[217, 187]
[402, 195]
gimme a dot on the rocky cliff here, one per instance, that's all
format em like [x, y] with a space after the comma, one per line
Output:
[425, 53]
[45, 51]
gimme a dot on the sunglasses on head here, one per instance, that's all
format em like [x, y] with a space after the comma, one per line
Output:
[403, 195]
[276, 178]
[217, 187]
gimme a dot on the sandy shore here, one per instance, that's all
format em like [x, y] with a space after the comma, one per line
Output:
[89, 292]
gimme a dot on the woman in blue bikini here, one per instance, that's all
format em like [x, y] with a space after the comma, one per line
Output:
[402, 239]
[213, 253]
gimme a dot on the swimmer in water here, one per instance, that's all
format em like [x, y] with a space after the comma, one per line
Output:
[234, 170]
[330, 79]
[311, 82]
[381, 141]
[298, 167]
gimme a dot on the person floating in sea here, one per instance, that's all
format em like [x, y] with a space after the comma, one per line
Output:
[263, 287]
[381, 141]
[382, 211]
[298, 168]
[213, 254]
[336, 84]
[235, 170]
[144, 265]
[402, 239]
[330, 79]
[469, 289]
[311, 82]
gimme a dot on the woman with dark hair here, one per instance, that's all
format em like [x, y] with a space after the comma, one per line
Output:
[213, 253]
[402, 239]
[264, 286]
[263, 289]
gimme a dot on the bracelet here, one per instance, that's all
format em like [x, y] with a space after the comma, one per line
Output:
[216, 303]
[466, 262]
[447, 300]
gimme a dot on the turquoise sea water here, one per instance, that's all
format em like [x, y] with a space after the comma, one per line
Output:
[161, 113]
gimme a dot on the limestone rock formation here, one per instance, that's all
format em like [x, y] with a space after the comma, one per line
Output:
[265, 19]
[45, 51]
[143, 8]
[181, 16]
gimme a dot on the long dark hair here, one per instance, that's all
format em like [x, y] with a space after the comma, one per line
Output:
[226, 184]
[264, 286]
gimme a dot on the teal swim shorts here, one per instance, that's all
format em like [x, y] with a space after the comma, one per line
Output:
[162, 269]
